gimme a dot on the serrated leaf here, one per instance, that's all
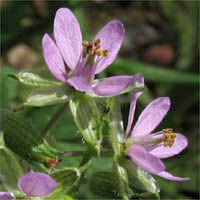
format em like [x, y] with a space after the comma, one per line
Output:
[33, 80]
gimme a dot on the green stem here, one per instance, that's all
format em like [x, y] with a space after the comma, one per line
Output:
[18, 108]
[51, 123]
[124, 197]
[81, 153]
[89, 153]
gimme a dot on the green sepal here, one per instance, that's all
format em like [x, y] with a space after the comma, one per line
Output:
[33, 80]
[120, 171]
[10, 169]
[66, 179]
[86, 117]
[112, 124]
[139, 179]
[19, 195]
[46, 96]
[25, 141]
[46, 150]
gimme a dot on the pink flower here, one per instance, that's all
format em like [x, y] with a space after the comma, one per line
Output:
[6, 196]
[146, 150]
[65, 58]
[33, 184]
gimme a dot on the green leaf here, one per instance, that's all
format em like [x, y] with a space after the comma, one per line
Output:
[85, 114]
[10, 169]
[105, 185]
[34, 80]
[19, 136]
[152, 73]
[25, 141]
[49, 96]
[125, 191]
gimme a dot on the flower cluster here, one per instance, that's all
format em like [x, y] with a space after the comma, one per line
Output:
[75, 62]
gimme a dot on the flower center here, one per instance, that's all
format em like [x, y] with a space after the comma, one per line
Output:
[166, 136]
[95, 48]
[169, 137]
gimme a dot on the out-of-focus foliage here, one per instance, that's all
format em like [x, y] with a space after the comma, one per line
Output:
[183, 16]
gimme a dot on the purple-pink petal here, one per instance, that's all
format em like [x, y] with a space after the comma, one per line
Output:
[111, 37]
[6, 196]
[135, 95]
[68, 36]
[80, 84]
[180, 143]
[53, 58]
[151, 116]
[145, 160]
[170, 177]
[114, 85]
[36, 184]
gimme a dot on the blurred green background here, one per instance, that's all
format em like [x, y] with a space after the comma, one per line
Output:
[161, 43]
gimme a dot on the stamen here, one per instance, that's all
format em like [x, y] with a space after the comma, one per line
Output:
[94, 48]
[105, 53]
[169, 137]
[97, 42]
[91, 49]
[99, 52]
[85, 44]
